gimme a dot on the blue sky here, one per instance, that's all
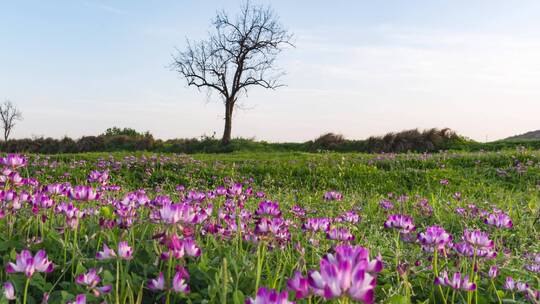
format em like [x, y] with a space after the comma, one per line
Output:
[359, 68]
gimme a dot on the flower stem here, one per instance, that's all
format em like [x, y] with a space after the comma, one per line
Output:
[117, 280]
[26, 290]
[470, 293]
[436, 271]
[224, 283]
[169, 276]
[65, 245]
[397, 258]
[74, 253]
[496, 293]
[260, 259]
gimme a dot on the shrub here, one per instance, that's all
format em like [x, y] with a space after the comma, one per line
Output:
[91, 144]
[414, 140]
[431, 140]
[115, 131]
[328, 141]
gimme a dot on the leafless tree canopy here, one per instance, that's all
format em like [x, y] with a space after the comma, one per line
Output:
[9, 115]
[239, 53]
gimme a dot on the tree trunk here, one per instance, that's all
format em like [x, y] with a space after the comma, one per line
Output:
[228, 123]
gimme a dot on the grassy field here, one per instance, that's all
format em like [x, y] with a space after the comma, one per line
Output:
[207, 223]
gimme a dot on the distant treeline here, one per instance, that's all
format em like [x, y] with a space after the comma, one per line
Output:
[115, 139]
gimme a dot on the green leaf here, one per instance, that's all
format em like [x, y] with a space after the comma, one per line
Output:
[238, 297]
[80, 269]
[107, 276]
[399, 299]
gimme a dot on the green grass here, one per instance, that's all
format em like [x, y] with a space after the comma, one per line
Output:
[228, 269]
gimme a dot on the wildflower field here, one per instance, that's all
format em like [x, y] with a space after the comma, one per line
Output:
[271, 228]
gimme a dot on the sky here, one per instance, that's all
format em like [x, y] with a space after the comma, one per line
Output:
[359, 68]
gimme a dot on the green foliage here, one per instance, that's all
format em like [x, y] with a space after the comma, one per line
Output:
[126, 139]
[115, 131]
[229, 269]
[328, 141]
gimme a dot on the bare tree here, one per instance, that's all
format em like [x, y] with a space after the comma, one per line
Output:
[9, 114]
[238, 54]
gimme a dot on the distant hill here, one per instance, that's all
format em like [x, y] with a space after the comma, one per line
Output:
[533, 135]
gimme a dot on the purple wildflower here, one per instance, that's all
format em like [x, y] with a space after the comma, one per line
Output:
[299, 285]
[386, 204]
[157, 283]
[270, 296]
[435, 237]
[268, 208]
[351, 217]
[348, 272]
[333, 196]
[317, 224]
[340, 234]
[14, 161]
[399, 221]
[29, 264]
[493, 272]
[125, 251]
[9, 291]
[499, 220]
[83, 193]
[191, 248]
[79, 299]
[106, 254]
[509, 283]
[478, 239]
[179, 283]
[456, 282]
[90, 279]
